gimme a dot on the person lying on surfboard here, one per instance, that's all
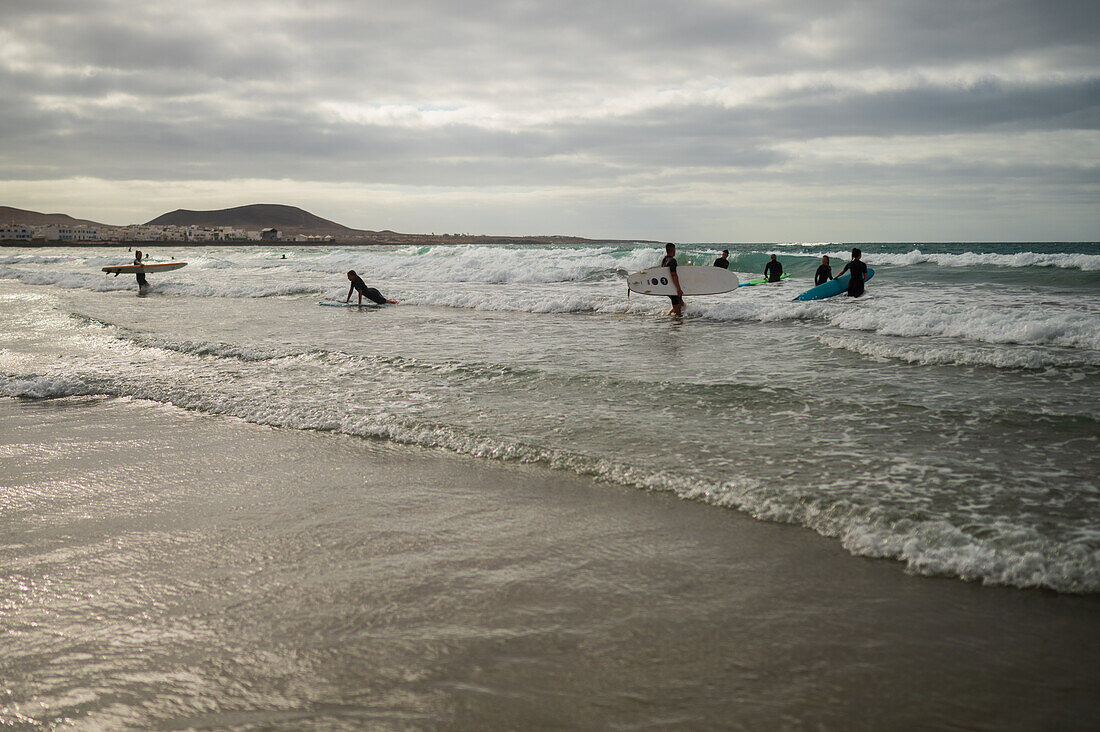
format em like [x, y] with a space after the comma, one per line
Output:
[372, 294]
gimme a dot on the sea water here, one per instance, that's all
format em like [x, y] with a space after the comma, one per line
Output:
[948, 419]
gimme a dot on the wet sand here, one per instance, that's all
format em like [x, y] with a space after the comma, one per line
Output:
[174, 570]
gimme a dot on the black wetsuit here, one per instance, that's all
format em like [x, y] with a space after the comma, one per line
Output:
[823, 275]
[368, 292]
[859, 272]
[723, 263]
[773, 270]
[670, 262]
[140, 276]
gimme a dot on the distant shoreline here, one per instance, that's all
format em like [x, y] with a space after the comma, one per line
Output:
[525, 240]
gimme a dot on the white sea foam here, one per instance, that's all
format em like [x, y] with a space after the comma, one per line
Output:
[933, 547]
[45, 387]
[1059, 260]
[963, 355]
[980, 323]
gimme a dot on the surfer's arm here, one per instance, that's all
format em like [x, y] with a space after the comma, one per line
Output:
[676, 281]
[842, 271]
[348, 298]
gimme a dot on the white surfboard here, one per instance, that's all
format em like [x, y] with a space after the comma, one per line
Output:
[352, 304]
[132, 268]
[693, 281]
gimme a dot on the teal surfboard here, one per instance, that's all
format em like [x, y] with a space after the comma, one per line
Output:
[763, 280]
[833, 287]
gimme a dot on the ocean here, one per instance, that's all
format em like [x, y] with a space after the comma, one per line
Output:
[946, 422]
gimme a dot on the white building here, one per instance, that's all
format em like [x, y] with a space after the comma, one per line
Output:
[65, 232]
[228, 233]
[16, 232]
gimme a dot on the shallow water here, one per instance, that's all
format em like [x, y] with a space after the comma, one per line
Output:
[949, 419]
[163, 569]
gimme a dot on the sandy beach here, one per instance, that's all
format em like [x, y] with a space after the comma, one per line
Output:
[182, 571]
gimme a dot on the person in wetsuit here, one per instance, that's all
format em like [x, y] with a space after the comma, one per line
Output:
[824, 272]
[142, 284]
[670, 262]
[724, 260]
[773, 270]
[859, 274]
[372, 294]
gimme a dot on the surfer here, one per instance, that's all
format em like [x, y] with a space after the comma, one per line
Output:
[142, 284]
[670, 262]
[773, 270]
[372, 294]
[824, 272]
[724, 260]
[859, 273]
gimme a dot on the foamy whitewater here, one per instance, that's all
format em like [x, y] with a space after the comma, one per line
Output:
[948, 420]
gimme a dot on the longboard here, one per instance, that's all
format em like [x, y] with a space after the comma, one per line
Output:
[831, 288]
[134, 268]
[762, 280]
[694, 280]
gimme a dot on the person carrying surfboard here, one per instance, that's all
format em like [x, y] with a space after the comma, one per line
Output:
[859, 273]
[670, 262]
[824, 272]
[372, 294]
[773, 270]
[142, 283]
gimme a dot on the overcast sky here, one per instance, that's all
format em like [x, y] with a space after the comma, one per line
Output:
[681, 120]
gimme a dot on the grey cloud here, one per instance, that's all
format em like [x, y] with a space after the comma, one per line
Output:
[238, 94]
[431, 48]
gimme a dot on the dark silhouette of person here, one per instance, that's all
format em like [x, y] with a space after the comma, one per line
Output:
[142, 284]
[773, 270]
[824, 272]
[372, 294]
[859, 273]
[670, 262]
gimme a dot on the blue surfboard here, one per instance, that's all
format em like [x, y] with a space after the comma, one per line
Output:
[833, 287]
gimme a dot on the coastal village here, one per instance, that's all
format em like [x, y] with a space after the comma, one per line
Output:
[145, 233]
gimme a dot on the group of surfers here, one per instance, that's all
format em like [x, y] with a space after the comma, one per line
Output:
[773, 271]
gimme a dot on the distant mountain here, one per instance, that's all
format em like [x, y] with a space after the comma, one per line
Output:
[9, 215]
[290, 219]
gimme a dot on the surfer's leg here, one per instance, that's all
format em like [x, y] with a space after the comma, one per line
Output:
[375, 296]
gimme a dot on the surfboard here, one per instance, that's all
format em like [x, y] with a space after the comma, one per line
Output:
[134, 268]
[694, 280]
[828, 289]
[352, 304]
[762, 280]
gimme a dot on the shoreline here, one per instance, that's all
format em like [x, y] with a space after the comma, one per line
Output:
[401, 240]
[304, 577]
